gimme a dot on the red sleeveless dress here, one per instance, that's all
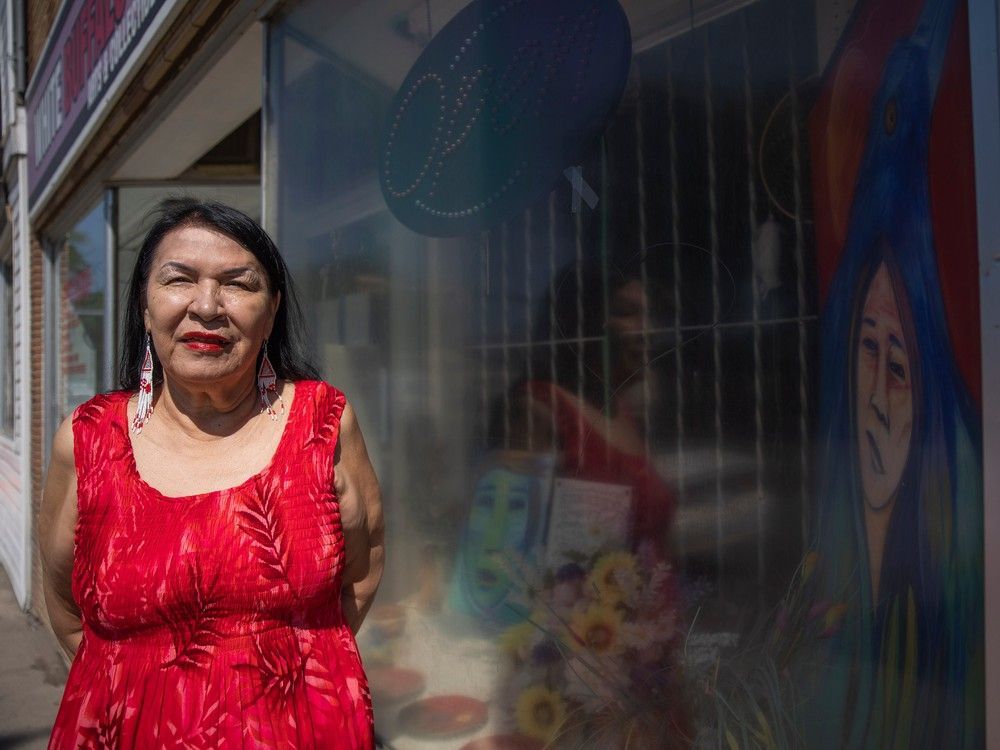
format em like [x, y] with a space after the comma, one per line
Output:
[212, 620]
[586, 454]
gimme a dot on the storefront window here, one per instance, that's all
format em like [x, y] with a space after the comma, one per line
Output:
[6, 347]
[663, 452]
[82, 273]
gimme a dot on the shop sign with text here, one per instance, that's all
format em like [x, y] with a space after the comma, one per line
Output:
[90, 43]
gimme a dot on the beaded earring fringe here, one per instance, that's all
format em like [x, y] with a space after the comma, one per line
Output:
[145, 407]
[267, 384]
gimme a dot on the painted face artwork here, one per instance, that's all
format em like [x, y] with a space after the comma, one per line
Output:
[498, 524]
[884, 396]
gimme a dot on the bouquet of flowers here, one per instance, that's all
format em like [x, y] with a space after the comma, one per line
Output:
[594, 664]
[751, 699]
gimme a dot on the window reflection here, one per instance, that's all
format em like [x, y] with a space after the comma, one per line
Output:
[595, 428]
[82, 265]
[6, 348]
[567, 399]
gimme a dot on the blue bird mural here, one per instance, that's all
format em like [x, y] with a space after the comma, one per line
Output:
[898, 520]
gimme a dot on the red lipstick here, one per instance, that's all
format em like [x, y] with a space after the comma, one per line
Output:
[204, 342]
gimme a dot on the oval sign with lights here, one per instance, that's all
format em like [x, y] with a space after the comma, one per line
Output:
[508, 95]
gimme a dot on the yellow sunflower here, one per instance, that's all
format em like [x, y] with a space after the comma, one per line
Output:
[515, 640]
[540, 712]
[598, 629]
[809, 565]
[613, 576]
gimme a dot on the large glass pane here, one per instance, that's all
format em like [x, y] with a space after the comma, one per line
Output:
[6, 348]
[82, 268]
[686, 454]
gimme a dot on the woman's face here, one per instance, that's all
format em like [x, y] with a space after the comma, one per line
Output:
[625, 327]
[884, 401]
[208, 307]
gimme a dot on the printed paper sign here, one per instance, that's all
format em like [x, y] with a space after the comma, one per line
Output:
[586, 518]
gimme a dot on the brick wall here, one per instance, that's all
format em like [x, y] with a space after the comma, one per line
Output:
[36, 271]
[38, 19]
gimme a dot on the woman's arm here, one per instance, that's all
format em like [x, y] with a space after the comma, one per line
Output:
[56, 525]
[361, 516]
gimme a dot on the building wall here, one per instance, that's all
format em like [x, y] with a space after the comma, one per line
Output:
[35, 353]
[14, 513]
[12, 510]
[193, 26]
[38, 19]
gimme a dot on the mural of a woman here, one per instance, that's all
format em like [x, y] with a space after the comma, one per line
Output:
[898, 522]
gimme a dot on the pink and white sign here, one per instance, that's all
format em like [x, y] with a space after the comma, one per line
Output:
[89, 45]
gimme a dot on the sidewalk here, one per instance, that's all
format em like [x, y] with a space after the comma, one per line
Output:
[32, 675]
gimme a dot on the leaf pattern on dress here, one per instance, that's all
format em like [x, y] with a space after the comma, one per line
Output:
[277, 672]
[193, 622]
[326, 413]
[91, 412]
[265, 527]
[324, 682]
[94, 594]
[198, 724]
[105, 587]
[89, 416]
[185, 597]
[106, 581]
[106, 732]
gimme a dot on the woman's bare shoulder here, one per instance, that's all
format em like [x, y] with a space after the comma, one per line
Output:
[57, 513]
[62, 442]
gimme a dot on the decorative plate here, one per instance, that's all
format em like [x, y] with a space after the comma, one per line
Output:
[442, 716]
[395, 684]
[388, 619]
[504, 742]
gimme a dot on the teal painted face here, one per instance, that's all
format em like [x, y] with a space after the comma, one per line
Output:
[498, 524]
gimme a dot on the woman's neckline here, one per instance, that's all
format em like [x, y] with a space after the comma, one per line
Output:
[134, 468]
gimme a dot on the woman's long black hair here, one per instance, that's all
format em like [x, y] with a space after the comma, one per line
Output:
[285, 345]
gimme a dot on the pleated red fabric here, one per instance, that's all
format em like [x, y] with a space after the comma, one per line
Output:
[212, 620]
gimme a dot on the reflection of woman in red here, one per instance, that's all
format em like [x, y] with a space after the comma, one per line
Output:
[570, 404]
[574, 401]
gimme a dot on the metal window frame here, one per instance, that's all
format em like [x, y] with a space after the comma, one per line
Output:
[51, 331]
[52, 244]
[111, 284]
[984, 53]
[8, 433]
[984, 42]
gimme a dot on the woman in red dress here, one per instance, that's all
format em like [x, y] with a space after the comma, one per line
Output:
[576, 401]
[578, 393]
[211, 534]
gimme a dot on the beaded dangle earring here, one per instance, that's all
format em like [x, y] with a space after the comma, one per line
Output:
[145, 407]
[267, 384]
